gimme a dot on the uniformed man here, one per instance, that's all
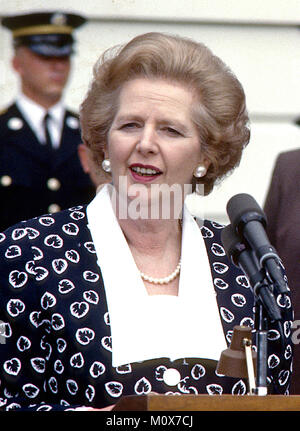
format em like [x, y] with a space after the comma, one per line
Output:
[40, 171]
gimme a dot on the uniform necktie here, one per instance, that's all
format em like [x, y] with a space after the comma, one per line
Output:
[48, 140]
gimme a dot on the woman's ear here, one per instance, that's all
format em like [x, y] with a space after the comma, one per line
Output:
[84, 157]
[15, 63]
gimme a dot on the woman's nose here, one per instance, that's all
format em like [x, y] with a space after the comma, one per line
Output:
[147, 141]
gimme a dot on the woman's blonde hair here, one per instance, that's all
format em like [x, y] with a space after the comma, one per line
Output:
[219, 109]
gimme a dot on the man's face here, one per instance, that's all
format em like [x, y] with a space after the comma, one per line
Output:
[43, 78]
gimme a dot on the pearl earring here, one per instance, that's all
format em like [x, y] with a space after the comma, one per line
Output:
[200, 171]
[106, 165]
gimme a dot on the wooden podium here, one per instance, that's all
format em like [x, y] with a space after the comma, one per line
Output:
[269, 403]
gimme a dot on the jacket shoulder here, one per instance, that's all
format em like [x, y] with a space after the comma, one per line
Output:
[9, 110]
[72, 113]
[288, 157]
[3, 111]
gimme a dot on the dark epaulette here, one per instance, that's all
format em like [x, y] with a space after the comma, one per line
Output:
[3, 111]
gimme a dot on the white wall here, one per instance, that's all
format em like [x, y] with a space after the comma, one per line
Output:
[259, 40]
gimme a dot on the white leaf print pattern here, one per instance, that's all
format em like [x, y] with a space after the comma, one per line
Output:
[220, 267]
[12, 366]
[79, 309]
[239, 388]
[124, 369]
[97, 369]
[23, 343]
[114, 389]
[198, 371]
[32, 233]
[58, 366]
[61, 345]
[90, 276]
[72, 386]
[91, 296]
[46, 221]
[85, 335]
[38, 364]
[72, 256]
[220, 283]
[242, 280]
[159, 372]
[238, 300]
[18, 233]
[283, 377]
[57, 321]
[142, 386]
[54, 241]
[70, 229]
[77, 360]
[40, 273]
[106, 343]
[30, 390]
[90, 393]
[59, 265]
[273, 361]
[65, 286]
[217, 249]
[226, 314]
[18, 279]
[48, 300]
[13, 251]
[15, 307]
[214, 389]
[53, 385]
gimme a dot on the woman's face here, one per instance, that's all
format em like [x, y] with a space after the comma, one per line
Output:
[153, 139]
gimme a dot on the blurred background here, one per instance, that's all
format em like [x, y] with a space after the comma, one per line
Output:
[259, 40]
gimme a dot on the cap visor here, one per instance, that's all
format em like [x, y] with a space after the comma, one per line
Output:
[51, 50]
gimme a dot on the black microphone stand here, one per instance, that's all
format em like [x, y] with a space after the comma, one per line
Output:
[261, 326]
[264, 312]
[264, 281]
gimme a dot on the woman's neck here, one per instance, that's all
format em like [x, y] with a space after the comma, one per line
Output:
[151, 236]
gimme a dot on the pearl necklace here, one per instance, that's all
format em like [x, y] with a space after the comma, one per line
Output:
[164, 280]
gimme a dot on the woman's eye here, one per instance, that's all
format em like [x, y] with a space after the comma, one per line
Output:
[173, 131]
[129, 126]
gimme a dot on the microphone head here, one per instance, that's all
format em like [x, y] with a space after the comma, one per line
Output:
[232, 244]
[243, 208]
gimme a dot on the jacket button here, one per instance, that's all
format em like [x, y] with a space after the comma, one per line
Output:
[171, 377]
[53, 184]
[53, 208]
[6, 181]
[15, 123]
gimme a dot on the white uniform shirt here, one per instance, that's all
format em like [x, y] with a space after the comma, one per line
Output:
[34, 115]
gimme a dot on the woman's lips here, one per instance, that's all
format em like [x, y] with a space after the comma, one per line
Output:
[144, 173]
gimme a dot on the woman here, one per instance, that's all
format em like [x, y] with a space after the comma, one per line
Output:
[123, 297]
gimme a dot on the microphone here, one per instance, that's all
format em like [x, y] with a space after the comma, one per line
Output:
[249, 221]
[244, 259]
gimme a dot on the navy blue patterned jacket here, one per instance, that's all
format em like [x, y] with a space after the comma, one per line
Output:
[55, 339]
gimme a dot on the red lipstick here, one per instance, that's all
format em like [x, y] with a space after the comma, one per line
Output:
[144, 173]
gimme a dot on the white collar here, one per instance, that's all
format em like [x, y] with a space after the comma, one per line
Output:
[146, 327]
[34, 115]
